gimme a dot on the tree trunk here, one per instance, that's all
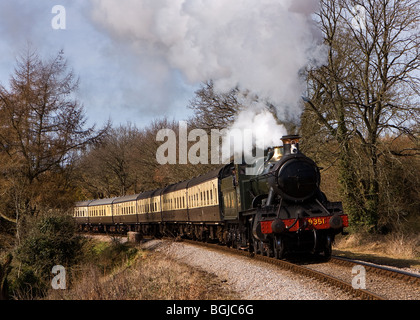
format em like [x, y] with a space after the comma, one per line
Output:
[4, 271]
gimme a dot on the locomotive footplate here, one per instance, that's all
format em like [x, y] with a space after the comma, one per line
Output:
[307, 224]
[275, 220]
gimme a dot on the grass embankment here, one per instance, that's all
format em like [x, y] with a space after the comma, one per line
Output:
[121, 271]
[396, 250]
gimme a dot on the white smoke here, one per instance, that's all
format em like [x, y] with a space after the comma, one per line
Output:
[255, 45]
[260, 46]
[252, 127]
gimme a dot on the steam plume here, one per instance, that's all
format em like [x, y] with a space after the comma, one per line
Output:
[260, 46]
[256, 45]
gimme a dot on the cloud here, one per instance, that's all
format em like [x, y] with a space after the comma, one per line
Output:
[256, 45]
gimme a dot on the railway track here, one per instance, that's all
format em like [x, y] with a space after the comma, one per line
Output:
[343, 283]
[389, 283]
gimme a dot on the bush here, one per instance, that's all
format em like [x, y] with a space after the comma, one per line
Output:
[109, 255]
[51, 241]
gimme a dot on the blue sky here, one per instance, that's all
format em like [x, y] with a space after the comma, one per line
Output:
[113, 84]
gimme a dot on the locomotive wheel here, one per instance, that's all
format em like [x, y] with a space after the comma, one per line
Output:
[327, 248]
[256, 246]
[259, 248]
[265, 249]
[278, 247]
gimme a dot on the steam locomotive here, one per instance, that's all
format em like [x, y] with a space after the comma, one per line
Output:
[277, 209]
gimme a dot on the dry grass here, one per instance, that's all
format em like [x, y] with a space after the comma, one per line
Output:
[395, 249]
[149, 276]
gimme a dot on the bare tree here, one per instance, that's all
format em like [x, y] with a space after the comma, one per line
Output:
[109, 168]
[213, 110]
[369, 88]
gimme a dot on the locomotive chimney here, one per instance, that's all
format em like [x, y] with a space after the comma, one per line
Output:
[290, 144]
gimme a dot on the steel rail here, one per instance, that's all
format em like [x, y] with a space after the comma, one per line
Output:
[410, 278]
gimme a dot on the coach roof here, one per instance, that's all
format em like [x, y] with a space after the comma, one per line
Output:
[128, 198]
[101, 202]
[205, 177]
[82, 203]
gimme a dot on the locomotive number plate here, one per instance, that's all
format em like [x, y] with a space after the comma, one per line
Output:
[317, 221]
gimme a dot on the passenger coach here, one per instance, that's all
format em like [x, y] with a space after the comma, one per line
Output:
[183, 203]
